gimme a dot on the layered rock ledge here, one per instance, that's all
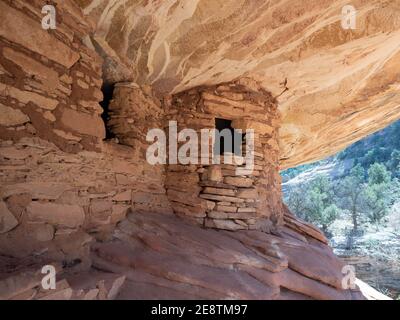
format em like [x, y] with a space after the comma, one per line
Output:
[164, 257]
[158, 256]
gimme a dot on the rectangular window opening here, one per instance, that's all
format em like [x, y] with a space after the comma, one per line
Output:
[227, 139]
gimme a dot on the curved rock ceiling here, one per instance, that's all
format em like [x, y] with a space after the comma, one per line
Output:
[342, 84]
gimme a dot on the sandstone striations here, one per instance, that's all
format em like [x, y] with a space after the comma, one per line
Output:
[342, 84]
[162, 257]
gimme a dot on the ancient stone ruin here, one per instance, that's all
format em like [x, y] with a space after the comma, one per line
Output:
[77, 102]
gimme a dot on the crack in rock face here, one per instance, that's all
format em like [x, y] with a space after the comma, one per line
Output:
[334, 85]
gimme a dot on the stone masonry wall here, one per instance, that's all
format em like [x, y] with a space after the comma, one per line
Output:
[50, 80]
[133, 111]
[213, 195]
[60, 183]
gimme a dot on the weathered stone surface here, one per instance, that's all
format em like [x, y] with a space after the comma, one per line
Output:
[100, 212]
[184, 197]
[66, 135]
[246, 210]
[247, 193]
[91, 105]
[38, 190]
[82, 84]
[214, 174]
[258, 127]
[47, 76]
[218, 214]
[239, 181]
[27, 96]
[3, 70]
[119, 212]
[61, 215]
[42, 231]
[123, 196]
[177, 179]
[223, 192]
[231, 215]
[210, 205]
[7, 219]
[100, 205]
[116, 69]
[220, 198]
[226, 208]
[83, 123]
[61, 292]
[303, 227]
[49, 116]
[20, 28]
[13, 153]
[216, 185]
[18, 283]
[24, 277]
[204, 270]
[224, 224]
[221, 110]
[223, 179]
[180, 208]
[12, 117]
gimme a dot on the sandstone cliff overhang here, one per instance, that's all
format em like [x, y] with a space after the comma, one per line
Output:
[342, 84]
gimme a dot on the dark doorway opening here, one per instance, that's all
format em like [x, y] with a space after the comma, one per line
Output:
[108, 91]
[227, 139]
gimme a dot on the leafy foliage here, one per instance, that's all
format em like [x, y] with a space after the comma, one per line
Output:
[364, 197]
[365, 191]
[314, 202]
[359, 207]
[350, 194]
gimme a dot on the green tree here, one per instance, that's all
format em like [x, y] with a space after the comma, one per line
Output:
[328, 216]
[378, 174]
[393, 164]
[377, 202]
[295, 200]
[379, 193]
[350, 192]
[314, 202]
[319, 206]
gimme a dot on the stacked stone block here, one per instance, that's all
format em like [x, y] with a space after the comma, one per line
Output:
[61, 184]
[214, 195]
